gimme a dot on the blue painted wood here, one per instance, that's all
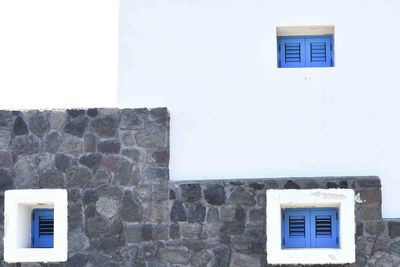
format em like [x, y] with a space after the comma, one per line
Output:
[42, 228]
[310, 228]
[319, 52]
[292, 52]
[296, 228]
[305, 51]
[324, 228]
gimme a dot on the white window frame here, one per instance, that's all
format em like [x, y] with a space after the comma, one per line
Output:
[18, 206]
[343, 199]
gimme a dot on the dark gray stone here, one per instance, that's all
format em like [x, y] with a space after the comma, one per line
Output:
[111, 146]
[76, 126]
[369, 213]
[212, 215]
[291, 185]
[63, 162]
[200, 259]
[153, 174]
[160, 231]
[133, 119]
[92, 161]
[132, 153]
[105, 126]
[394, 229]
[127, 174]
[178, 213]
[131, 210]
[5, 139]
[133, 233]
[232, 228]
[375, 228]
[175, 256]
[92, 112]
[160, 156]
[73, 113]
[373, 196]
[241, 197]
[78, 177]
[39, 123]
[257, 215]
[160, 115]
[89, 143]
[243, 260]
[20, 127]
[71, 145]
[215, 194]
[102, 177]
[222, 256]
[77, 242]
[156, 263]
[152, 137]
[128, 253]
[51, 179]
[77, 260]
[369, 182]
[190, 192]
[190, 230]
[257, 246]
[6, 181]
[256, 186]
[193, 244]
[89, 196]
[26, 145]
[147, 234]
[197, 213]
[6, 119]
[174, 232]
[109, 243]
[110, 191]
[5, 159]
[53, 141]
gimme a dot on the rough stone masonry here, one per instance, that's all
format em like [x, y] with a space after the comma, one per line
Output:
[124, 211]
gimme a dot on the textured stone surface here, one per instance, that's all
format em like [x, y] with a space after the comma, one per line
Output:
[26, 145]
[190, 192]
[215, 194]
[123, 211]
[20, 127]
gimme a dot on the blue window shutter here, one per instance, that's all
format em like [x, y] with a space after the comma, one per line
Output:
[291, 52]
[324, 228]
[42, 228]
[319, 51]
[296, 228]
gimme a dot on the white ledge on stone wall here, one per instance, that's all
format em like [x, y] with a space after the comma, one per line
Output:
[343, 199]
[18, 206]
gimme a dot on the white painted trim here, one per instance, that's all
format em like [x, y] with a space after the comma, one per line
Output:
[18, 206]
[292, 198]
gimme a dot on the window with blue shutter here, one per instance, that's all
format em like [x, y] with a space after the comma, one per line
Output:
[310, 228]
[305, 51]
[42, 228]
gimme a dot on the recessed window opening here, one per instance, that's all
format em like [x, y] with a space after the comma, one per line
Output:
[310, 228]
[42, 228]
[304, 47]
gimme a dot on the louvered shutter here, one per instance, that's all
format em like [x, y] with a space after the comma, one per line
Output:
[319, 52]
[291, 52]
[324, 228]
[296, 228]
[42, 228]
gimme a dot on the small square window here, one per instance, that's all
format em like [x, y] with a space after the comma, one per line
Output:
[305, 51]
[310, 228]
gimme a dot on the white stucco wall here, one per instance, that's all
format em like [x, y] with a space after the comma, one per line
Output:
[235, 114]
[58, 54]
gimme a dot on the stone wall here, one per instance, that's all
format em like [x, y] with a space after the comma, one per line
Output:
[124, 211]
